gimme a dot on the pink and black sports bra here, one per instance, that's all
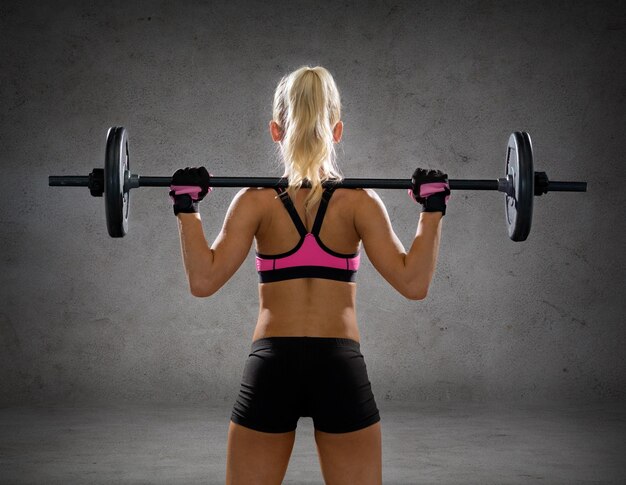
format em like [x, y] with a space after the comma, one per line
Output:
[310, 258]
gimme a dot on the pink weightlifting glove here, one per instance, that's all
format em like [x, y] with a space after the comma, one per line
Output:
[431, 189]
[188, 188]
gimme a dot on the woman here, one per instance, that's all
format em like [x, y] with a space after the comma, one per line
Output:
[305, 358]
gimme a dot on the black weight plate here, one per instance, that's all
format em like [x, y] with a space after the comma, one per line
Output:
[116, 170]
[520, 174]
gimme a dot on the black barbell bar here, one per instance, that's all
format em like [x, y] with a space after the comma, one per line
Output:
[365, 183]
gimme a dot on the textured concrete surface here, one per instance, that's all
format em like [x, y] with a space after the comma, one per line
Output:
[422, 444]
[88, 319]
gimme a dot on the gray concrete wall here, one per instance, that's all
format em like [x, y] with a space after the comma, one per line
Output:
[87, 318]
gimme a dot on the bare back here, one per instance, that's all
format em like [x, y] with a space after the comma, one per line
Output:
[307, 306]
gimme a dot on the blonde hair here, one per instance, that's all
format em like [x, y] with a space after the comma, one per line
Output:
[307, 107]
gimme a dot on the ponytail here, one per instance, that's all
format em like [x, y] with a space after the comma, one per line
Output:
[307, 107]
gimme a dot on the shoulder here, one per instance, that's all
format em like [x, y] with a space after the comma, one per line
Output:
[369, 213]
[368, 194]
[358, 200]
[250, 202]
[254, 196]
[366, 199]
[364, 206]
[356, 195]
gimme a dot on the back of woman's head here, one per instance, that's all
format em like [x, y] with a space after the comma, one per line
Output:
[307, 107]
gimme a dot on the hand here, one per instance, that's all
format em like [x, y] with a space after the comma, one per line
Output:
[188, 188]
[431, 189]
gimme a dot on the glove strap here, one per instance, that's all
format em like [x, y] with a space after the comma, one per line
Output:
[184, 204]
[437, 202]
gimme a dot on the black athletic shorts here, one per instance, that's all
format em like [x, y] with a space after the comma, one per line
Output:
[325, 378]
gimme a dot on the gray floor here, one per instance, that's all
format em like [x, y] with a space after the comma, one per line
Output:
[428, 443]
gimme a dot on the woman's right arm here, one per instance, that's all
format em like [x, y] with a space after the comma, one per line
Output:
[408, 272]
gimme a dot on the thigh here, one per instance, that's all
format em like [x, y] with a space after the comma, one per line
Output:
[354, 457]
[255, 457]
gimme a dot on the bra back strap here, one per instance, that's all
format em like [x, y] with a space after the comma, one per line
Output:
[321, 211]
[284, 197]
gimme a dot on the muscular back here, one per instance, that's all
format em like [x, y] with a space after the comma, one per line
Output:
[307, 306]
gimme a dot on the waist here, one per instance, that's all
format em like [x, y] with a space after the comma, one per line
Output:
[303, 342]
[338, 323]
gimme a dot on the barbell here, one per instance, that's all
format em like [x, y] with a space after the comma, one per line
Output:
[519, 185]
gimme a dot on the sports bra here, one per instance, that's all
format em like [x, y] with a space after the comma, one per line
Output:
[310, 258]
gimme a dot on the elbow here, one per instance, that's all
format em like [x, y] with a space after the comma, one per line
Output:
[416, 293]
[201, 289]
[201, 294]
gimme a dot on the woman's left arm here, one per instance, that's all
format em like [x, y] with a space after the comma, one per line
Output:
[209, 268]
